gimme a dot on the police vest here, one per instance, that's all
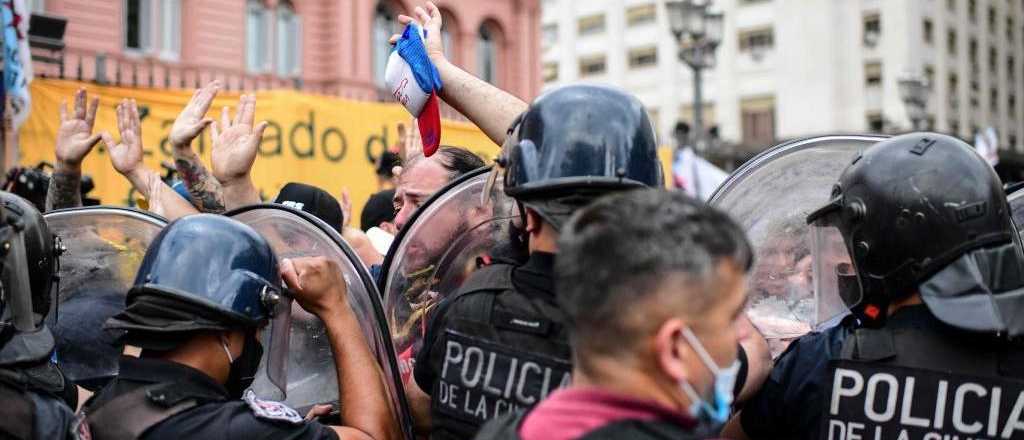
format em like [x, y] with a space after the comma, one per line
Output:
[129, 415]
[915, 384]
[502, 351]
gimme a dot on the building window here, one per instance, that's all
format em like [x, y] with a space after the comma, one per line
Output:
[928, 29]
[642, 14]
[757, 117]
[593, 65]
[875, 123]
[550, 72]
[972, 54]
[289, 41]
[1009, 29]
[873, 75]
[757, 40]
[993, 20]
[384, 25]
[972, 10]
[1011, 69]
[993, 60]
[170, 29]
[951, 42]
[993, 100]
[487, 52]
[872, 29]
[951, 5]
[549, 35]
[929, 76]
[643, 57]
[1011, 104]
[954, 127]
[590, 25]
[257, 44]
[954, 83]
[137, 27]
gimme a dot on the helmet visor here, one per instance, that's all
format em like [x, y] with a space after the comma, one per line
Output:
[835, 283]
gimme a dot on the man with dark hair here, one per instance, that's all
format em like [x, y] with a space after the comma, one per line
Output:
[654, 284]
[422, 176]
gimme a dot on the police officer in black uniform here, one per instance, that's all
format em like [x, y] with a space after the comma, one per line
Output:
[499, 344]
[36, 398]
[206, 287]
[932, 348]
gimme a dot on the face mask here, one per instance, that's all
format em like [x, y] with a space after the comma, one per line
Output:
[716, 411]
[243, 370]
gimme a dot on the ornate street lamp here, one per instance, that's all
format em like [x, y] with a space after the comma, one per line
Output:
[698, 33]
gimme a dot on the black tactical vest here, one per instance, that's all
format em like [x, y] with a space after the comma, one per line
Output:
[130, 415]
[17, 413]
[502, 351]
[922, 381]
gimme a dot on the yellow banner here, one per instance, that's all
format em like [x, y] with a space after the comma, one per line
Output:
[323, 141]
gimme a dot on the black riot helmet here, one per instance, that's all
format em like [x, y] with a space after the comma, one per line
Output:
[579, 140]
[203, 272]
[41, 249]
[917, 213]
[30, 254]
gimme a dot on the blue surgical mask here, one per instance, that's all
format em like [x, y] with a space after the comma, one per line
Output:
[717, 411]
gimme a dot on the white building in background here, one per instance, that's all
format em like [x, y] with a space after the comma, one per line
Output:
[792, 68]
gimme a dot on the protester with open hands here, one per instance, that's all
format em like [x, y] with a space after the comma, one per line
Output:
[75, 140]
[235, 144]
[207, 193]
[126, 157]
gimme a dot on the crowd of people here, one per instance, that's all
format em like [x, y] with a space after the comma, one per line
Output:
[607, 308]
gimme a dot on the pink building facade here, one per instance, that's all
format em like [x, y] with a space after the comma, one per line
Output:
[333, 47]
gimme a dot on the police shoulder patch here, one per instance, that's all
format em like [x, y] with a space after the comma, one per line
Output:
[269, 410]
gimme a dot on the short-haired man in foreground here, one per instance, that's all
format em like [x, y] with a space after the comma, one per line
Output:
[654, 284]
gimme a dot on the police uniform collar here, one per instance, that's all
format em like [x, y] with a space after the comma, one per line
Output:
[157, 371]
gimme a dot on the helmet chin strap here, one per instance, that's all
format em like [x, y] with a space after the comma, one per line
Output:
[224, 345]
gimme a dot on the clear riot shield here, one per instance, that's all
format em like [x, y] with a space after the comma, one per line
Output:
[446, 240]
[1016, 200]
[311, 377]
[791, 290]
[105, 246]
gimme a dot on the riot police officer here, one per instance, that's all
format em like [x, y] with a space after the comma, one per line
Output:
[37, 399]
[206, 287]
[918, 241]
[500, 344]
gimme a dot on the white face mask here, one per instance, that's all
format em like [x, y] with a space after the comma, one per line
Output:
[718, 410]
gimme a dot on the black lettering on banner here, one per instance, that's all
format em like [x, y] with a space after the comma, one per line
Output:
[382, 139]
[876, 402]
[342, 145]
[481, 380]
[273, 132]
[309, 128]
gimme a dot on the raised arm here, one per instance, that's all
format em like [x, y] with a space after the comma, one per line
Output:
[126, 157]
[320, 289]
[207, 194]
[235, 144]
[74, 141]
[487, 106]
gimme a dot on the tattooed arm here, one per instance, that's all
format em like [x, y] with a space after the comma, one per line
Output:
[207, 193]
[74, 141]
[126, 157]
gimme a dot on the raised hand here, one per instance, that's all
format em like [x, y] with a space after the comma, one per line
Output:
[74, 137]
[316, 283]
[236, 142]
[430, 20]
[126, 156]
[346, 207]
[192, 120]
